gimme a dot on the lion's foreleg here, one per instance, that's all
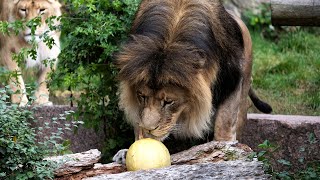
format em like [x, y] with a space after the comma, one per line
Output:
[225, 126]
[42, 93]
[16, 82]
[138, 133]
[18, 87]
[120, 157]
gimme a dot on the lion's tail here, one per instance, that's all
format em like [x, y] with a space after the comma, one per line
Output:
[260, 105]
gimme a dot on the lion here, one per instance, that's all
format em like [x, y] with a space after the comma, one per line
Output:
[186, 68]
[25, 10]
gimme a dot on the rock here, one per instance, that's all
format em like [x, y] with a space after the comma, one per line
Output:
[97, 170]
[298, 138]
[212, 152]
[74, 163]
[202, 171]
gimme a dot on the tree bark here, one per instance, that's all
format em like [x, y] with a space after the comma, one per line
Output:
[295, 12]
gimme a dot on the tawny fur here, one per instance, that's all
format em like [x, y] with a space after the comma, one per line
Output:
[12, 10]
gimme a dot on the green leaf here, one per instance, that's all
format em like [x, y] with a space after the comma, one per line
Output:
[284, 162]
[265, 145]
[312, 138]
[30, 174]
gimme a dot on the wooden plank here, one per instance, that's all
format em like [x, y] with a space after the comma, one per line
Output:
[295, 12]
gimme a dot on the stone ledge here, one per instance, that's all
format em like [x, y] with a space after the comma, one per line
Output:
[290, 119]
[232, 170]
[298, 137]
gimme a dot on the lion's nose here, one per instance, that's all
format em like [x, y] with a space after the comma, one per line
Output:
[150, 118]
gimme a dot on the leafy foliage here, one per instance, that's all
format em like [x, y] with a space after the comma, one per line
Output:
[20, 156]
[93, 31]
[260, 20]
[21, 152]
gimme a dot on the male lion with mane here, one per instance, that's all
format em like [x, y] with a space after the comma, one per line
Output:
[25, 10]
[187, 65]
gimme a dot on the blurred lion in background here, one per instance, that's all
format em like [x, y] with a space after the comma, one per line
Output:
[185, 68]
[25, 10]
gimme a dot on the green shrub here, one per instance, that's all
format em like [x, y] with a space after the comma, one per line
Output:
[21, 153]
[20, 156]
[92, 32]
[260, 20]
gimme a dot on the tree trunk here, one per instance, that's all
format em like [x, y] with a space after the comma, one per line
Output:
[295, 12]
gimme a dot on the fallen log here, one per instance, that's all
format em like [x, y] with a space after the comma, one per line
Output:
[295, 12]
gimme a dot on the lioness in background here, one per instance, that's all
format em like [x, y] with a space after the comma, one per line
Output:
[25, 10]
[186, 65]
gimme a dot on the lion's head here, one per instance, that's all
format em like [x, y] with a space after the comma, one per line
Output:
[167, 107]
[26, 10]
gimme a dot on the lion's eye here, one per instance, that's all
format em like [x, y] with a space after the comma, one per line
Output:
[42, 11]
[142, 98]
[166, 102]
[23, 10]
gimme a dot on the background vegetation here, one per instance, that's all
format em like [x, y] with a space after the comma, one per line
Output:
[286, 72]
[21, 154]
[92, 33]
[286, 65]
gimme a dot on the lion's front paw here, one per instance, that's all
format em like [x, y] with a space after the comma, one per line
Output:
[22, 100]
[23, 103]
[120, 157]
